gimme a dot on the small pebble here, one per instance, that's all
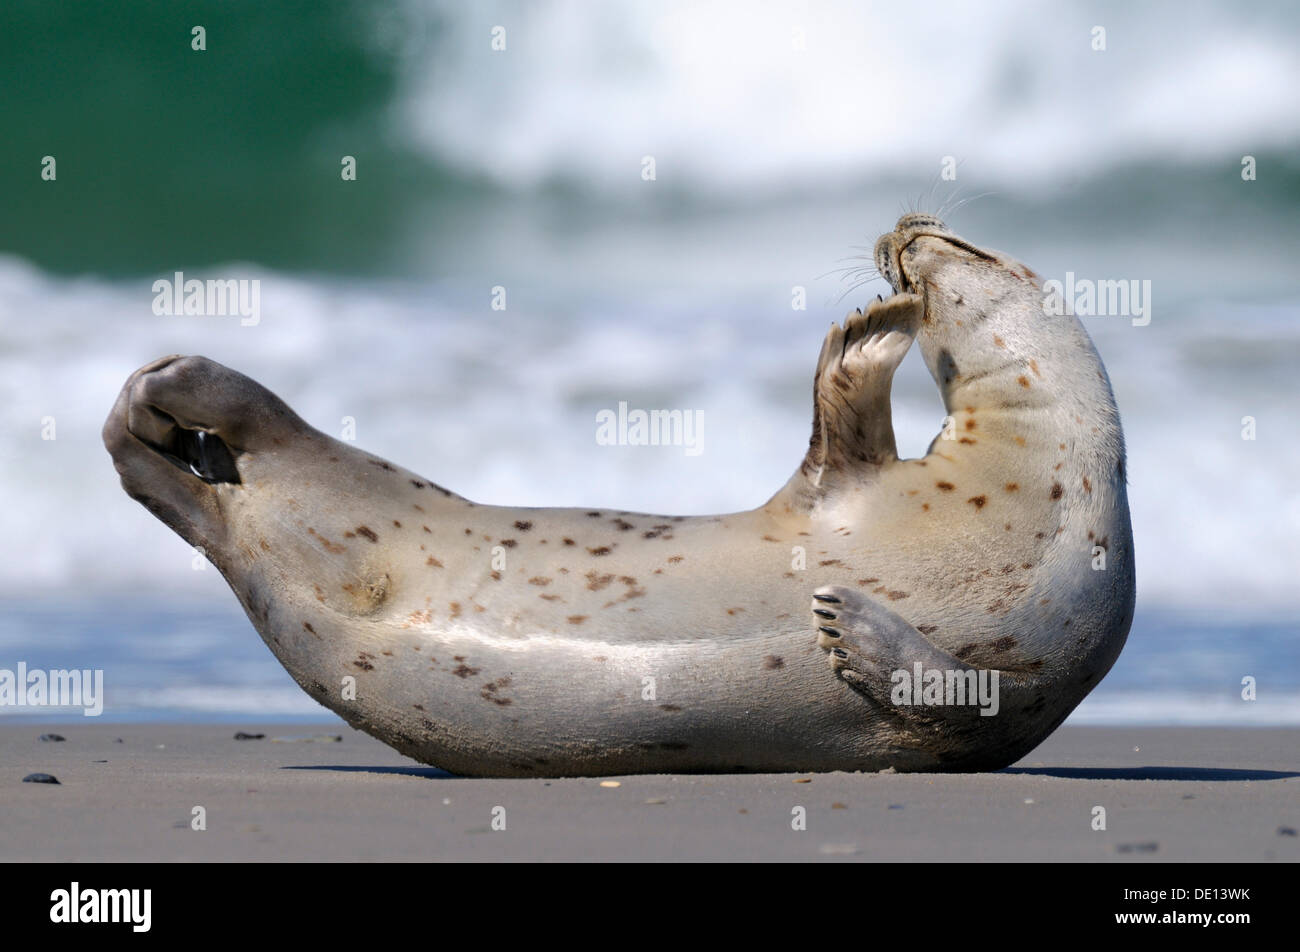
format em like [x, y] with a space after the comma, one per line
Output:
[53, 737]
[610, 783]
[241, 735]
[1029, 800]
[803, 780]
[40, 778]
[837, 849]
[839, 806]
[657, 800]
[1286, 831]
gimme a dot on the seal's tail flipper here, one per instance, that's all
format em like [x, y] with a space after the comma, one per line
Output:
[852, 425]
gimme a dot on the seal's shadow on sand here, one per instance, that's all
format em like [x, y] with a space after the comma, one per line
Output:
[431, 773]
[1201, 774]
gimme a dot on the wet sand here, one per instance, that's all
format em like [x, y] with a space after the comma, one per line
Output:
[1170, 794]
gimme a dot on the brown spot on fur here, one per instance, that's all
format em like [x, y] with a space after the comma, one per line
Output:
[1087, 486]
[489, 691]
[382, 465]
[1020, 440]
[868, 581]
[551, 598]
[1011, 487]
[577, 619]
[927, 629]
[623, 524]
[1005, 643]
[539, 580]
[1023, 381]
[677, 558]
[925, 506]
[732, 611]
[669, 707]
[594, 515]
[893, 596]
[494, 575]
[455, 609]
[977, 501]
[367, 532]
[600, 550]
[307, 626]
[434, 562]
[364, 665]
[418, 707]
[523, 525]
[418, 485]
[265, 547]
[1033, 365]
[768, 538]
[965, 651]
[596, 581]
[944, 486]
[773, 662]
[464, 671]
[568, 541]
[968, 440]
[1057, 491]
[970, 424]
[999, 341]
[509, 543]
[830, 562]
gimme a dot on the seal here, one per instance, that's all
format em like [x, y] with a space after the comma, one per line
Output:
[850, 623]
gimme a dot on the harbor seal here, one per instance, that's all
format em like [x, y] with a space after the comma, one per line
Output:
[497, 641]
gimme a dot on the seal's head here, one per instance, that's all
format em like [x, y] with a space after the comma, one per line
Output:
[985, 334]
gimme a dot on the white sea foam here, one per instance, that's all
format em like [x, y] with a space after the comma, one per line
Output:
[727, 104]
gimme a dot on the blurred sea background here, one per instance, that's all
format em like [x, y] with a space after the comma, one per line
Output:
[786, 138]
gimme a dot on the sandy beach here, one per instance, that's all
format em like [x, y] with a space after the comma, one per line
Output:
[1170, 794]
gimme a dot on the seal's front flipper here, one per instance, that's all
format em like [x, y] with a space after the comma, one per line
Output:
[852, 426]
[878, 653]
